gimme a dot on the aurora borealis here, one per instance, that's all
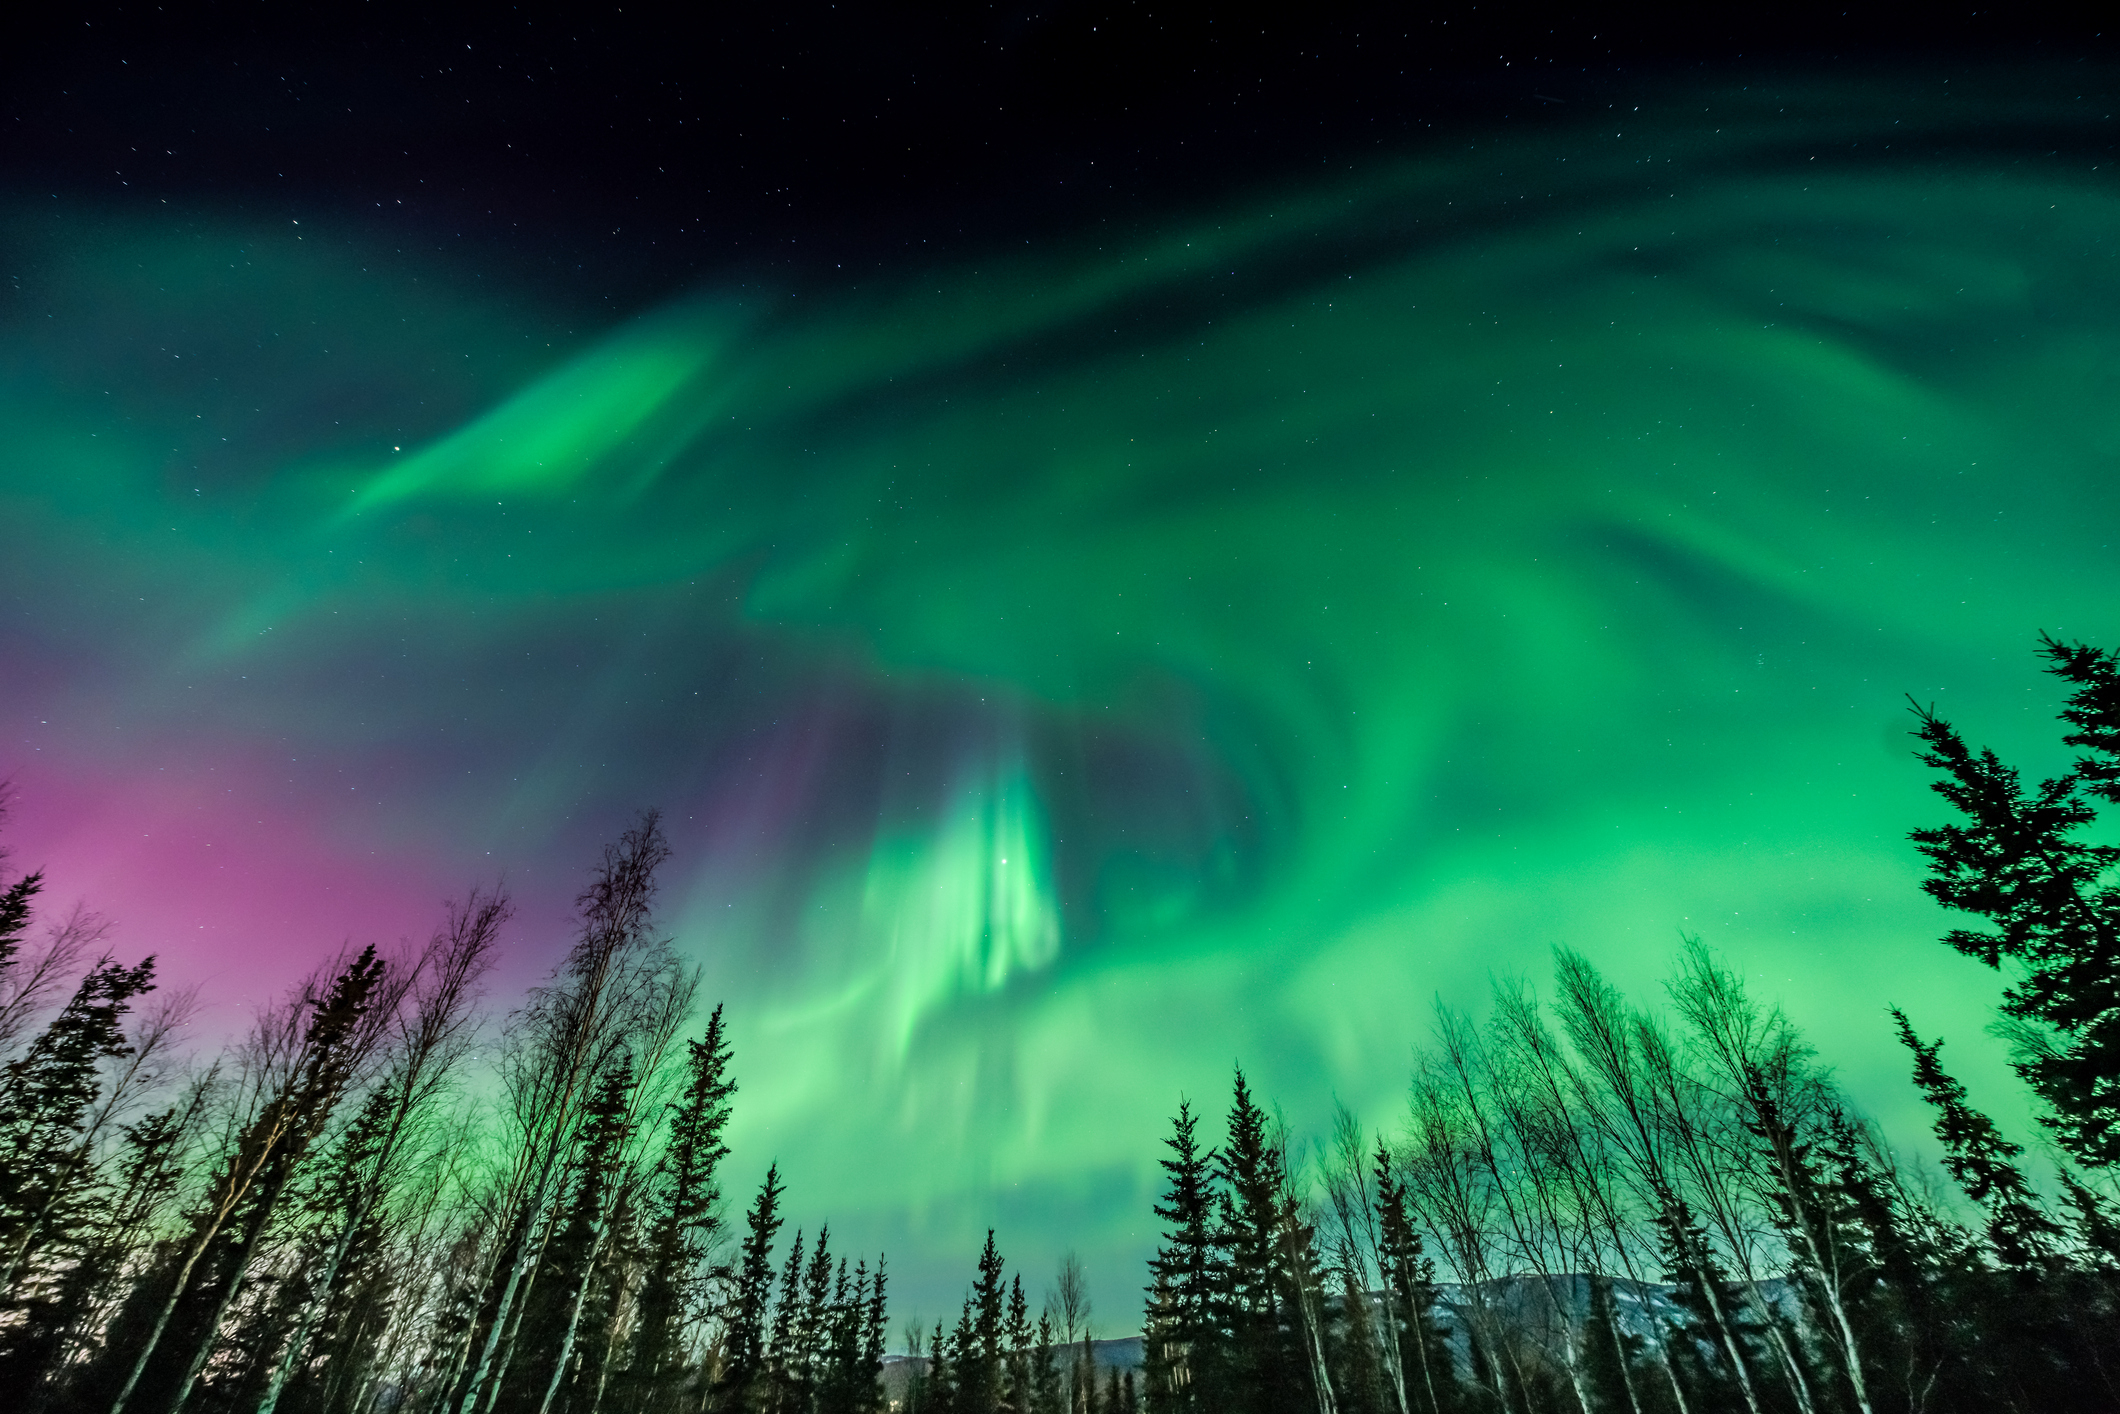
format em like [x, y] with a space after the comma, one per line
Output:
[1069, 669]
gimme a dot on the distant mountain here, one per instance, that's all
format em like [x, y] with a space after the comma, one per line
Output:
[1122, 1354]
[1529, 1300]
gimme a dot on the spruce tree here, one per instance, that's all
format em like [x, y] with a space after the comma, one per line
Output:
[1982, 1162]
[938, 1388]
[2031, 1347]
[1901, 1273]
[784, 1344]
[60, 1328]
[872, 1332]
[2092, 1279]
[802, 1366]
[45, 1098]
[971, 1385]
[685, 1221]
[2095, 1222]
[17, 903]
[1714, 1348]
[2019, 860]
[1184, 1342]
[343, 1269]
[837, 1343]
[311, 1053]
[1016, 1395]
[1608, 1354]
[1410, 1295]
[745, 1341]
[981, 1376]
[1358, 1371]
[575, 1256]
[1046, 1390]
[853, 1353]
[1270, 1362]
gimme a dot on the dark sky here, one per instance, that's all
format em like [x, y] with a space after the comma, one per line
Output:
[651, 145]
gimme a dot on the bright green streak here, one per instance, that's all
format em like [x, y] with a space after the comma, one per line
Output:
[1527, 543]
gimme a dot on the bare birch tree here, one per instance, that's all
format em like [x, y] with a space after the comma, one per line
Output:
[656, 1014]
[1450, 1190]
[431, 1030]
[570, 1032]
[1552, 1090]
[299, 1060]
[1357, 1238]
[1617, 1102]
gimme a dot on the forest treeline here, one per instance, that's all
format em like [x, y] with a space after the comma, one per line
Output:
[370, 1203]
[1593, 1205]
[377, 1202]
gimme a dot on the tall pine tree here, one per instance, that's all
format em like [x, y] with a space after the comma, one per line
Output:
[1410, 1296]
[1270, 1359]
[744, 1342]
[1183, 1337]
[304, 1058]
[2019, 860]
[685, 1220]
[1982, 1162]
[45, 1098]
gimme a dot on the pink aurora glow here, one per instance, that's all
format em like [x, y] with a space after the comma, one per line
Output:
[204, 868]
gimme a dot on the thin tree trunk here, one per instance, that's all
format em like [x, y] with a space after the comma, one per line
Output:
[312, 1310]
[611, 1345]
[1314, 1347]
[237, 1190]
[1394, 1356]
[169, 1307]
[1729, 1340]
[1571, 1343]
[501, 1311]
[1484, 1328]
[1656, 1331]
[1394, 1349]
[1657, 1334]
[1678, 1389]
[1829, 1287]
[1851, 1356]
[1571, 1355]
[1619, 1348]
[508, 1312]
[1797, 1383]
[462, 1355]
[1420, 1343]
[506, 1361]
[210, 1335]
[574, 1315]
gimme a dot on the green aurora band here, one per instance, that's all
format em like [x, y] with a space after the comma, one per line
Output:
[1071, 671]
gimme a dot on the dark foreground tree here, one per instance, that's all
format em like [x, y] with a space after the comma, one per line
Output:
[1269, 1272]
[1183, 1333]
[686, 1219]
[46, 1098]
[2020, 859]
[300, 1061]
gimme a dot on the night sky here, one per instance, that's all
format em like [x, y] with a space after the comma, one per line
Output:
[1121, 544]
